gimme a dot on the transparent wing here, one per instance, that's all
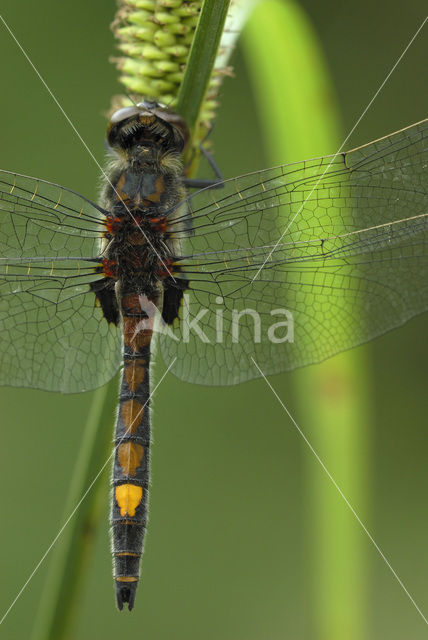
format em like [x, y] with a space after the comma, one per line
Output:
[296, 263]
[52, 334]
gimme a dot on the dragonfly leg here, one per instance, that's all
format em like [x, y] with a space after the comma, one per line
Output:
[195, 183]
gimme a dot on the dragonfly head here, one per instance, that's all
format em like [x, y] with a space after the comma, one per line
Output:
[145, 129]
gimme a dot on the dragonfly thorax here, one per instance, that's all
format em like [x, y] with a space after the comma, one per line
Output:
[146, 175]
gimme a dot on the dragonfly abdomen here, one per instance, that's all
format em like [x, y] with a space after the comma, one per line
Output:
[132, 446]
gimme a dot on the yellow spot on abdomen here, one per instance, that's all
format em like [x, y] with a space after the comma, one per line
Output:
[128, 497]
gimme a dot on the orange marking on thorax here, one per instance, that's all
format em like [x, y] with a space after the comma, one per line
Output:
[130, 456]
[164, 269]
[128, 497]
[110, 268]
[132, 413]
[159, 190]
[120, 195]
[159, 224]
[114, 224]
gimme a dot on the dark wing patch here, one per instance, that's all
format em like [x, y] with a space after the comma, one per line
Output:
[173, 294]
[106, 296]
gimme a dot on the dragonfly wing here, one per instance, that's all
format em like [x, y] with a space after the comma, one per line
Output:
[53, 335]
[296, 263]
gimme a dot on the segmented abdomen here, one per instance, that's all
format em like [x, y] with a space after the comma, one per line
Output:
[132, 446]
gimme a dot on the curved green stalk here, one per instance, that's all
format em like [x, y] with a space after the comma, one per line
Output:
[299, 120]
[201, 60]
[72, 551]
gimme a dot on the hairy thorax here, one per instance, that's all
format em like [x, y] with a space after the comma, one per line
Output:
[140, 195]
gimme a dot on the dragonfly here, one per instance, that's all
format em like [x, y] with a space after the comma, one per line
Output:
[282, 267]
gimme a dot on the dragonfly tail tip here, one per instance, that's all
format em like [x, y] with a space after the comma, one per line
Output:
[126, 593]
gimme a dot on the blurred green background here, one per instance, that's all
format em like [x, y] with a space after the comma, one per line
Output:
[229, 551]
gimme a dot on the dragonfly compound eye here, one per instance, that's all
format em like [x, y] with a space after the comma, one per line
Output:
[123, 114]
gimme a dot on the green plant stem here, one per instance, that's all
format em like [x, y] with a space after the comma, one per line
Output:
[201, 60]
[299, 119]
[85, 504]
